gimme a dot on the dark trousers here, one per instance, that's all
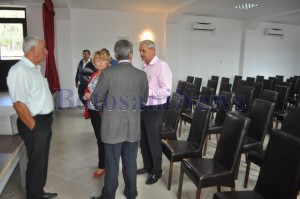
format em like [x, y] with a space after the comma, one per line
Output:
[37, 145]
[81, 89]
[96, 123]
[152, 121]
[128, 153]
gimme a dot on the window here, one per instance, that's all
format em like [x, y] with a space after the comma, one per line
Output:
[12, 32]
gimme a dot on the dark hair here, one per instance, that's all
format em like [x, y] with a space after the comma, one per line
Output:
[122, 49]
[86, 50]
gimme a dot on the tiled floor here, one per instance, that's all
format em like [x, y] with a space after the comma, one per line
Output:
[73, 158]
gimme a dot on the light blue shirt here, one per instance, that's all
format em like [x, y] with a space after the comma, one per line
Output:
[27, 85]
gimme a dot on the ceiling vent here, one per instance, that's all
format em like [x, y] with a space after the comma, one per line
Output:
[201, 26]
[274, 32]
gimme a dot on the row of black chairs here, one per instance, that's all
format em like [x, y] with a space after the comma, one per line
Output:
[176, 150]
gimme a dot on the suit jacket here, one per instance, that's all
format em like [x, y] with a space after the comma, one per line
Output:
[119, 94]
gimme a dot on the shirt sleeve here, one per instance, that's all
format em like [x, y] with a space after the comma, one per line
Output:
[18, 85]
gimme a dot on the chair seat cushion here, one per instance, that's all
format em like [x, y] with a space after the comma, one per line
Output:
[237, 195]
[256, 157]
[207, 172]
[251, 145]
[187, 117]
[176, 150]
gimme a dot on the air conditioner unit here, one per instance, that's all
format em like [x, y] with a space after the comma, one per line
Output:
[203, 26]
[274, 32]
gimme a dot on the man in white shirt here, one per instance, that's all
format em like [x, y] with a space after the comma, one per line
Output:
[33, 103]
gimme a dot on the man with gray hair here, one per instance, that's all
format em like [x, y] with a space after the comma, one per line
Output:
[120, 93]
[33, 103]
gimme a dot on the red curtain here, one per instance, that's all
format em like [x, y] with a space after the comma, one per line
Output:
[48, 22]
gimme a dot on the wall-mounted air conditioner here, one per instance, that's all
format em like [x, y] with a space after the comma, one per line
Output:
[201, 26]
[274, 32]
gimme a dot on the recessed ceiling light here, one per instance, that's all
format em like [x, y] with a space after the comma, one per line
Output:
[246, 6]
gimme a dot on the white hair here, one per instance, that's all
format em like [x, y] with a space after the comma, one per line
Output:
[30, 41]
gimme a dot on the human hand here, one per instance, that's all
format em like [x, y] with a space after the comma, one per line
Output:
[87, 96]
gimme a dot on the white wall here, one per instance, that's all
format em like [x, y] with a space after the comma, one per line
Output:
[187, 52]
[269, 55]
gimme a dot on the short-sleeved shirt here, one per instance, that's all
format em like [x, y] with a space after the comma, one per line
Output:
[27, 85]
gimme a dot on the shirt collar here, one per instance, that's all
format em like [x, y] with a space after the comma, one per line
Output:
[28, 63]
[153, 61]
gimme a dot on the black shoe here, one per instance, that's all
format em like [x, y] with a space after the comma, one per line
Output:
[47, 195]
[136, 195]
[141, 171]
[153, 179]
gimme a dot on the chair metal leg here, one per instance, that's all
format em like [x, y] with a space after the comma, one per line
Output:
[218, 188]
[237, 169]
[170, 175]
[198, 193]
[233, 188]
[247, 174]
[180, 184]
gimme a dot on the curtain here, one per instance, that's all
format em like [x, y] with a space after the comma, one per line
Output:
[48, 22]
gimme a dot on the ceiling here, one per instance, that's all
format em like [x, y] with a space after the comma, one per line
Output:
[278, 11]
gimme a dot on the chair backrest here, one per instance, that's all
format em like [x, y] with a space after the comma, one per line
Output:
[214, 77]
[188, 97]
[260, 114]
[280, 172]
[270, 96]
[180, 87]
[223, 104]
[206, 95]
[239, 85]
[212, 84]
[291, 122]
[225, 79]
[267, 84]
[190, 79]
[274, 82]
[249, 81]
[243, 99]
[294, 82]
[197, 86]
[283, 92]
[279, 78]
[224, 87]
[257, 89]
[235, 81]
[199, 125]
[173, 113]
[232, 136]
[260, 78]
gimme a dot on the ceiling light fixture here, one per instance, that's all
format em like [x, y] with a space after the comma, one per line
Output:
[246, 6]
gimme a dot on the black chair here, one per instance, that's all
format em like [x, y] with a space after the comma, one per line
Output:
[279, 78]
[283, 94]
[180, 87]
[267, 84]
[220, 170]
[212, 84]
[197, 86]
[269, 95]
[176, 150]
[235, 81]
[243, 99]
[259, 78]
[205, 97]
[223, 104]
[169, 128]
[216, 78]
[279, 175]
[273, 79]
[225, 79]
[257, 89]
[239, 85]
[249, 81]
[190, 79]
[290, 125]
[224, 87]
